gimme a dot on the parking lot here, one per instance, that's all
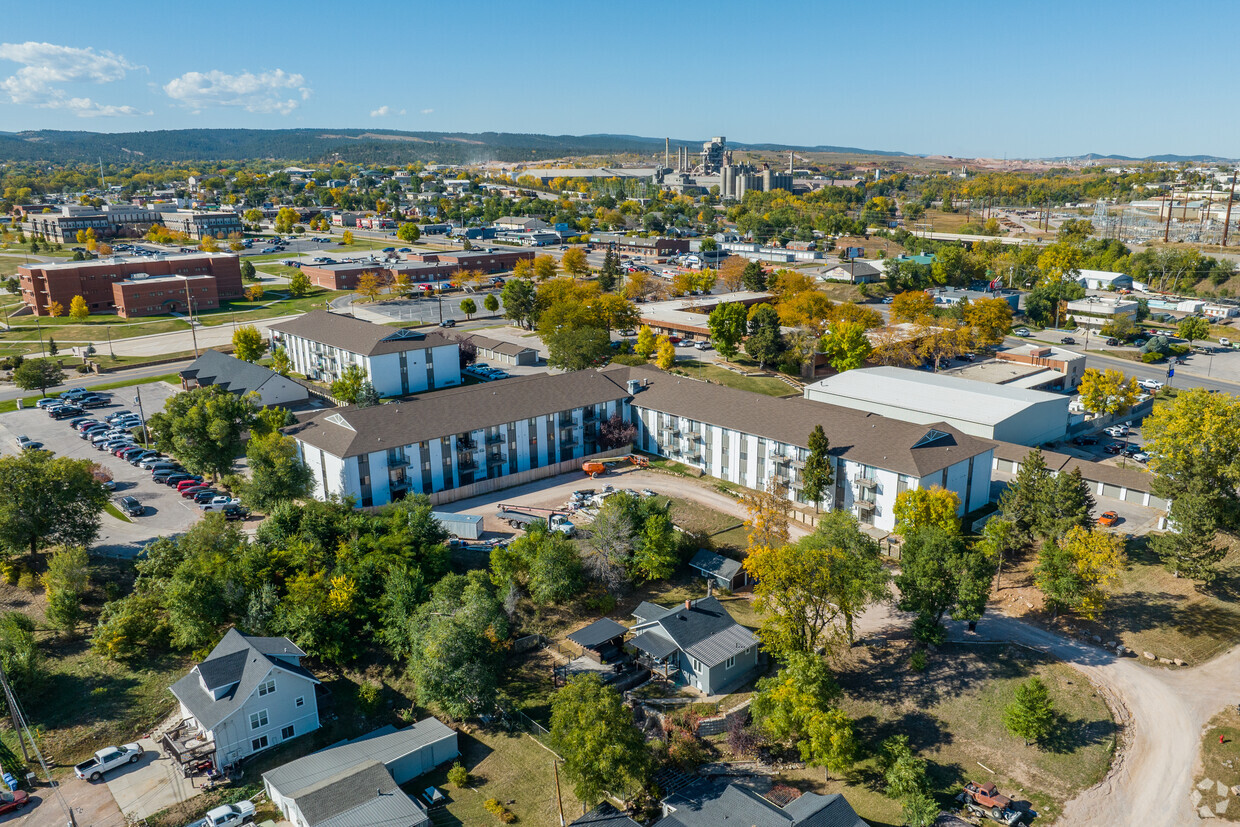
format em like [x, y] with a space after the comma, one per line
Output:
[166, 512]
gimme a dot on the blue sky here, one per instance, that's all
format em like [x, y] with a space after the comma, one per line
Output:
[948, 76]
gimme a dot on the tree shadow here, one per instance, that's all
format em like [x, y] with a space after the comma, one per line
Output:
[1068, 735]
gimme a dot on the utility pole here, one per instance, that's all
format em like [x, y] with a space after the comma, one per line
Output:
[13, 714]
[1227, 220]
[146, 432]
[559, 803]
[1167, 226]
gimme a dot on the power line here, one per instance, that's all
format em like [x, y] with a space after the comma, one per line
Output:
[24, 731]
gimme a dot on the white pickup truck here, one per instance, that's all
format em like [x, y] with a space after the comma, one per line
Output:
[229, 815]
[107, 759]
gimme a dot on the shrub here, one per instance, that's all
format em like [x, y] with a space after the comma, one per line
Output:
[27, 581]
[499, 811]
[11, 573]
[368, 695]
[1150, 358]
[458, 776]
[918, 661]
[686, 751]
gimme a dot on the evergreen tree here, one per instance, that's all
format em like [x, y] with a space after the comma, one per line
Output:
[1069, 505]
[754, 277]
[1032, 714]
[1024, 500]
[1191, 549]
[817, 477]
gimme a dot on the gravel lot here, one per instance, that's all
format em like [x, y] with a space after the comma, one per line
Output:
[166, 513]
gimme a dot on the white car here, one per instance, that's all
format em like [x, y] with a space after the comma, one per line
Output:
[1150, 384]
[1117, 431]
[218, 503]
[1141, 456]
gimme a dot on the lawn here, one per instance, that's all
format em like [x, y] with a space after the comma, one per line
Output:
[952, 713]
[768, 385]
[1220, 763]
[514, 768]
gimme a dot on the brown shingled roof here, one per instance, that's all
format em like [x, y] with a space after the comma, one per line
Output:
[357, 336]
[350, 431]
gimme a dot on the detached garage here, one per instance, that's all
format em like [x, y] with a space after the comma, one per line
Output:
[334, 786]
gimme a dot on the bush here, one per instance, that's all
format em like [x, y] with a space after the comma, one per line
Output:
[11, 573]
[918, 661]
[1180, 350]
[499, 811]
[1150, 358]
[686, 751]
[368, 696]
[458, 776]
[27, 581]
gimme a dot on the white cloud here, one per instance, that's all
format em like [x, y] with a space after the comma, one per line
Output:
[427, 111]
[276, 91]
[46, 67]
[384, 111]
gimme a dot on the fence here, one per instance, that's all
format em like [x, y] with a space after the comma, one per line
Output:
[488, 486]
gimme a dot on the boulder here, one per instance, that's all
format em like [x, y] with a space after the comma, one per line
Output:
[1166, 661]
[1205, 784]
[1195, 798]
[1097, 639]
[1221, 807]
[1148, 656]
[1179, 662]
[1205, 812]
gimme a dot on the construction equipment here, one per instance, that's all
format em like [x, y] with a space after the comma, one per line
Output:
[986, 800]
[599, 466]
[521, 516]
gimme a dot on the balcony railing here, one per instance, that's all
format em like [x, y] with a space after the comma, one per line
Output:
[399, 484]
[866, 506]
[397, 461]
[466, 444]
[865, 483]
[467, 462]
[494, 439]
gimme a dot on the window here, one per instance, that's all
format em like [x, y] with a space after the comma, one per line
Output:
[267, 688]
[286, 733]
[300, 702]
[258, 743]
[258, 719]
[731, 662]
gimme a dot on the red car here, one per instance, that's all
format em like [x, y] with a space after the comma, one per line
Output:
[192, 490]
[9, 802]
[189, 483]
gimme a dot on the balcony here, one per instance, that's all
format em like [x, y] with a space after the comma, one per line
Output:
[466, 462]
[866, 507]
[397, 461]
[865, 484]
[494, 439]
[466, 444]
[588, 415]
[399, 484]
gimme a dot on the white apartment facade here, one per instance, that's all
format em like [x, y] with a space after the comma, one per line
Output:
[322, 345]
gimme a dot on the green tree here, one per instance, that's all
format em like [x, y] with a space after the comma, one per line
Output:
[520, 299]
[1031, 715]
[727, 324]
[1191, 548]
[765, 342]
[456, 659]
[38, 374]
[490, 303]
[818, 475]
[408, 232]
[469, 308]
[52, 347]
[796, 706]
[248, 272]
[578, 348]
[248, 343]
[1194, 439]
[904, 774]
[298, 285]
[754, 277]
[998, 540]
[665, 353]
[66, 582]
[1077, 572]
[1027, 496]
[846, 346]
[593, 730]
[543, 563]
[1071, 505]
[48, 500]
[1193, 328]
[19, 653]
[78, 308]
[203, 428]
[575, 263]
[655, 555]
[919, 508]
[367, 396]
[280, 362]
[348, 387]
[940, 574]
[276, 471]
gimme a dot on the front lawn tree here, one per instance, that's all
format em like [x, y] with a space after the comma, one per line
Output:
[38, 374]
[298, 285]
[727, 324]
[1031, 715]
[593, 730]
[846, 346]
[276, 471]
[248, 343]
[578, 348]
[520, 299]
[1193, 328]
[818, 475]
[646, 343]
[919, 508]
[78, 310]
[65, 583]
[47, 500]
[203, 429]
[408, 232]
[490, 303]
[1078, 572]
[248, 272]
[469, 307]
[797, 706]
[940, 575]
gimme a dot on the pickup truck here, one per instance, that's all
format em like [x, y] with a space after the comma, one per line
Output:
[522, 517]
[107, 759]
[228, 815]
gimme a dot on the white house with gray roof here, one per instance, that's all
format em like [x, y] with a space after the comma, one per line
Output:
[357, 783]
[250, 693]
[696, 643]
[397, 361]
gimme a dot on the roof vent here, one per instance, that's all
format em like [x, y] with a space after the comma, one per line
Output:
[634, 386]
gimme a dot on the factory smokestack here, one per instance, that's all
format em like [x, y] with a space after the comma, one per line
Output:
[667, 149]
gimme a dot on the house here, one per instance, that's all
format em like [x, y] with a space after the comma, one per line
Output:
[242, 378]
[708, 803]
[355, 783]
[697, 644]
[250, 693]
[724, 572]
[1103, 280]
[397, 361]
[854, 272]
[520, 223]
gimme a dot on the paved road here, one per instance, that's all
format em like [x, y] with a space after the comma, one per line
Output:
[91, 380]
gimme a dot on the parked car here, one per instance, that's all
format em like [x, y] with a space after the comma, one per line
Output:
[1150, 384]
[1067, 340]
[448, 323]
[217, 503]
[44, 404]
[1113, 448]
[66, 412]
[118, 415]
[1131, 450]
[1141, 456]
[107, 759]
[1117, 431]
[131, 506]
[1112, 342]
[191, 491]
[205, 495]
[236, 511]
[13, 801]
[33, 446]
[227, 815]
[137, 459]
[23, 441]
[1108, 518]
[94, 402]
[1085, 440]
[1021, 331]
[188, 483]
[173, 480]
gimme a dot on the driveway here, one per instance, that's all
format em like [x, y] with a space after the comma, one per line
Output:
[154, 783]
[92, 806]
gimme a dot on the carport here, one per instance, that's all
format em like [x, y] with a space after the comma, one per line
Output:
[602, 640]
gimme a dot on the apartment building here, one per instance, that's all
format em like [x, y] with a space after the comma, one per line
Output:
[198, 224]
[499, 261]
[396, 361]
[44, 283]
[453, 438]
[62, 227]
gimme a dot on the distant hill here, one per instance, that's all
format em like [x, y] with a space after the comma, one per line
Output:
[1162, 159]
[367, 146]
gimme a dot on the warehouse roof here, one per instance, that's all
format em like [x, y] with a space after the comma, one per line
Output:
[350, 431]
[357, 336]
[936, 394]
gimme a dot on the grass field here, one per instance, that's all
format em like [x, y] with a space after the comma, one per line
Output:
[1220, 762]
[767, 385]
[952, 713]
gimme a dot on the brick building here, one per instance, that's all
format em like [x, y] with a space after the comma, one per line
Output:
[632, 245]
[143, 295]
[421, 267]
[497, 262]
[42, 284]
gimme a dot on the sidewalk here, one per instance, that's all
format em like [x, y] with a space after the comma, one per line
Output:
[180, 341]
